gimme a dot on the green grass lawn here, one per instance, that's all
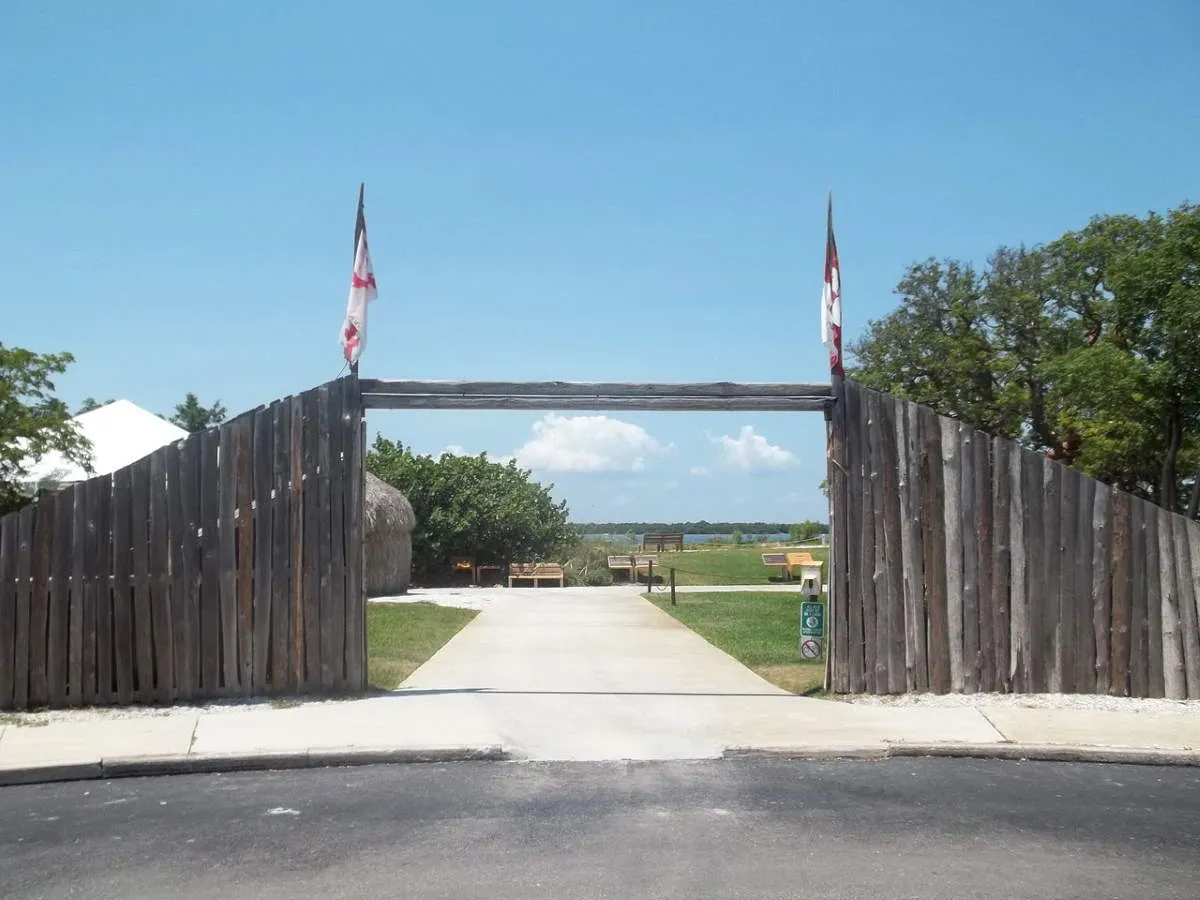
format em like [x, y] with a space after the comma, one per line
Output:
[401, 636]
[725, 565]
[760, 630]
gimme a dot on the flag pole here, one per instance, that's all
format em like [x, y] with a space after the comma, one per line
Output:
[359, 224]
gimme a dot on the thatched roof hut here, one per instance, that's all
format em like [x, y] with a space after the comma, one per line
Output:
[387, 539]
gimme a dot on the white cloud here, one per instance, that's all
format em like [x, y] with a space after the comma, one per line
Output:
[588, 444]
[699, 470]
[752, 452]
[455, 450]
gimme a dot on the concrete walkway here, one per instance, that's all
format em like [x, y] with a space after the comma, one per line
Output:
[571, 674]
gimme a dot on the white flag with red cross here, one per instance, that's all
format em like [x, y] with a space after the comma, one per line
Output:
[362, 292]
[831, 297]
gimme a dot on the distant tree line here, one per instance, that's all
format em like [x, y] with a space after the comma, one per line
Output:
[807, 529]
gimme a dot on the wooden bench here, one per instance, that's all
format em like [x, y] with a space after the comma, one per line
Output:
[536, 572]
[776, 561]
[661, 542]
[632, 563]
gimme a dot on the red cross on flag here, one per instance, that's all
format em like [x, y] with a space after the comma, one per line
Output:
[362, 292]
[831, 298]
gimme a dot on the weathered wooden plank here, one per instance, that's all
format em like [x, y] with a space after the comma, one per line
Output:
[710, 389]
[618, 404]
[122, 586]
[968, 527]
[356, 661]
[264, 457]
[329, 650]
[1049, 608]
[58, 637]
[227, 560]
[92, 564]
[39, 600]
[281, 562]
[855, 438]
[878, 610]
[904, 528]
[1193, 540]
[1139, 619]
[78, 564]
[1154, 610]
[952, 525]
[21, 654]
[8, 607]
[985, 536]
[1002, 562]
[1065, 628]
[1033, 496]
[210, 564]
[1185, 588]
[1174, 672]
[913, 544]
[1085, 645]
[104, 589]
[839, 575]
[182, 477]
[1102, 585]
[1018, 605]
[311, 571]
[161, 461]
[243, 469]
[1122, 594]
[933, 517]
[336, 479]
[298, 677]
[143, 633]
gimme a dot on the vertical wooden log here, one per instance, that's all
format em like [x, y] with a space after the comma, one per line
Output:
[39, 600]
[1034, 497]
[839, 578]
[1085, 645]
[143, 633]
[8, 607]
[933, 515]
[1049, 607]
[123, 604]
[879, 613]
[868, 560]
[78, 563]
[354, 506]
[105, 592]
[160, 576]
[952, 517]
[968, 528]
[855, 537]
[892, 438]
[1185, 588]
[915, 560]
[182, 476]
[1139, 620]
[1001, 567]
[1102, 585]
[210, 566]
[311, 573]
[243, 465]
[1018, 609]
[1154, 608]
[907, 527]
[1065, 627]
[1174, 673]
[24, 589]
[227, 560]
[298, 679]
[264, 450]
[281, 561]
[58, 645]
[339, 616]
[1192, 530]
[92, 565]
[1122, 595]
[329, 649]
[986, 537]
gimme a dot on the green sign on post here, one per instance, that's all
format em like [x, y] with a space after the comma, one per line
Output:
[812, 619]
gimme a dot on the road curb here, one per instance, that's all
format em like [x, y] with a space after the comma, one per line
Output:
[133, 767]
[1006, 751]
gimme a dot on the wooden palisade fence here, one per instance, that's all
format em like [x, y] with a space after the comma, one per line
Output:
[228, 564]
[965, 563]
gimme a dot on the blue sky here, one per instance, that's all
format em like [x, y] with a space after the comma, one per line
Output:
[571, 190]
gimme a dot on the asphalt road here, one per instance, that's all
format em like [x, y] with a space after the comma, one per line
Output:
[753, 829]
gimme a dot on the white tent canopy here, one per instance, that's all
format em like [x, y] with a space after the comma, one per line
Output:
[121, 433]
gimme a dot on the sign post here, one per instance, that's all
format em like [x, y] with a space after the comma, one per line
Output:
[812, 629]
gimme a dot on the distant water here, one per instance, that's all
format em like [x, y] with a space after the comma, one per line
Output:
[689, 538]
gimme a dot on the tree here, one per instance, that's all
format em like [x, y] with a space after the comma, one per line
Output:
[1084, 349]
[91, 403]
[191, 416]
[469, 506]
[803, 531]
[33, 421]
